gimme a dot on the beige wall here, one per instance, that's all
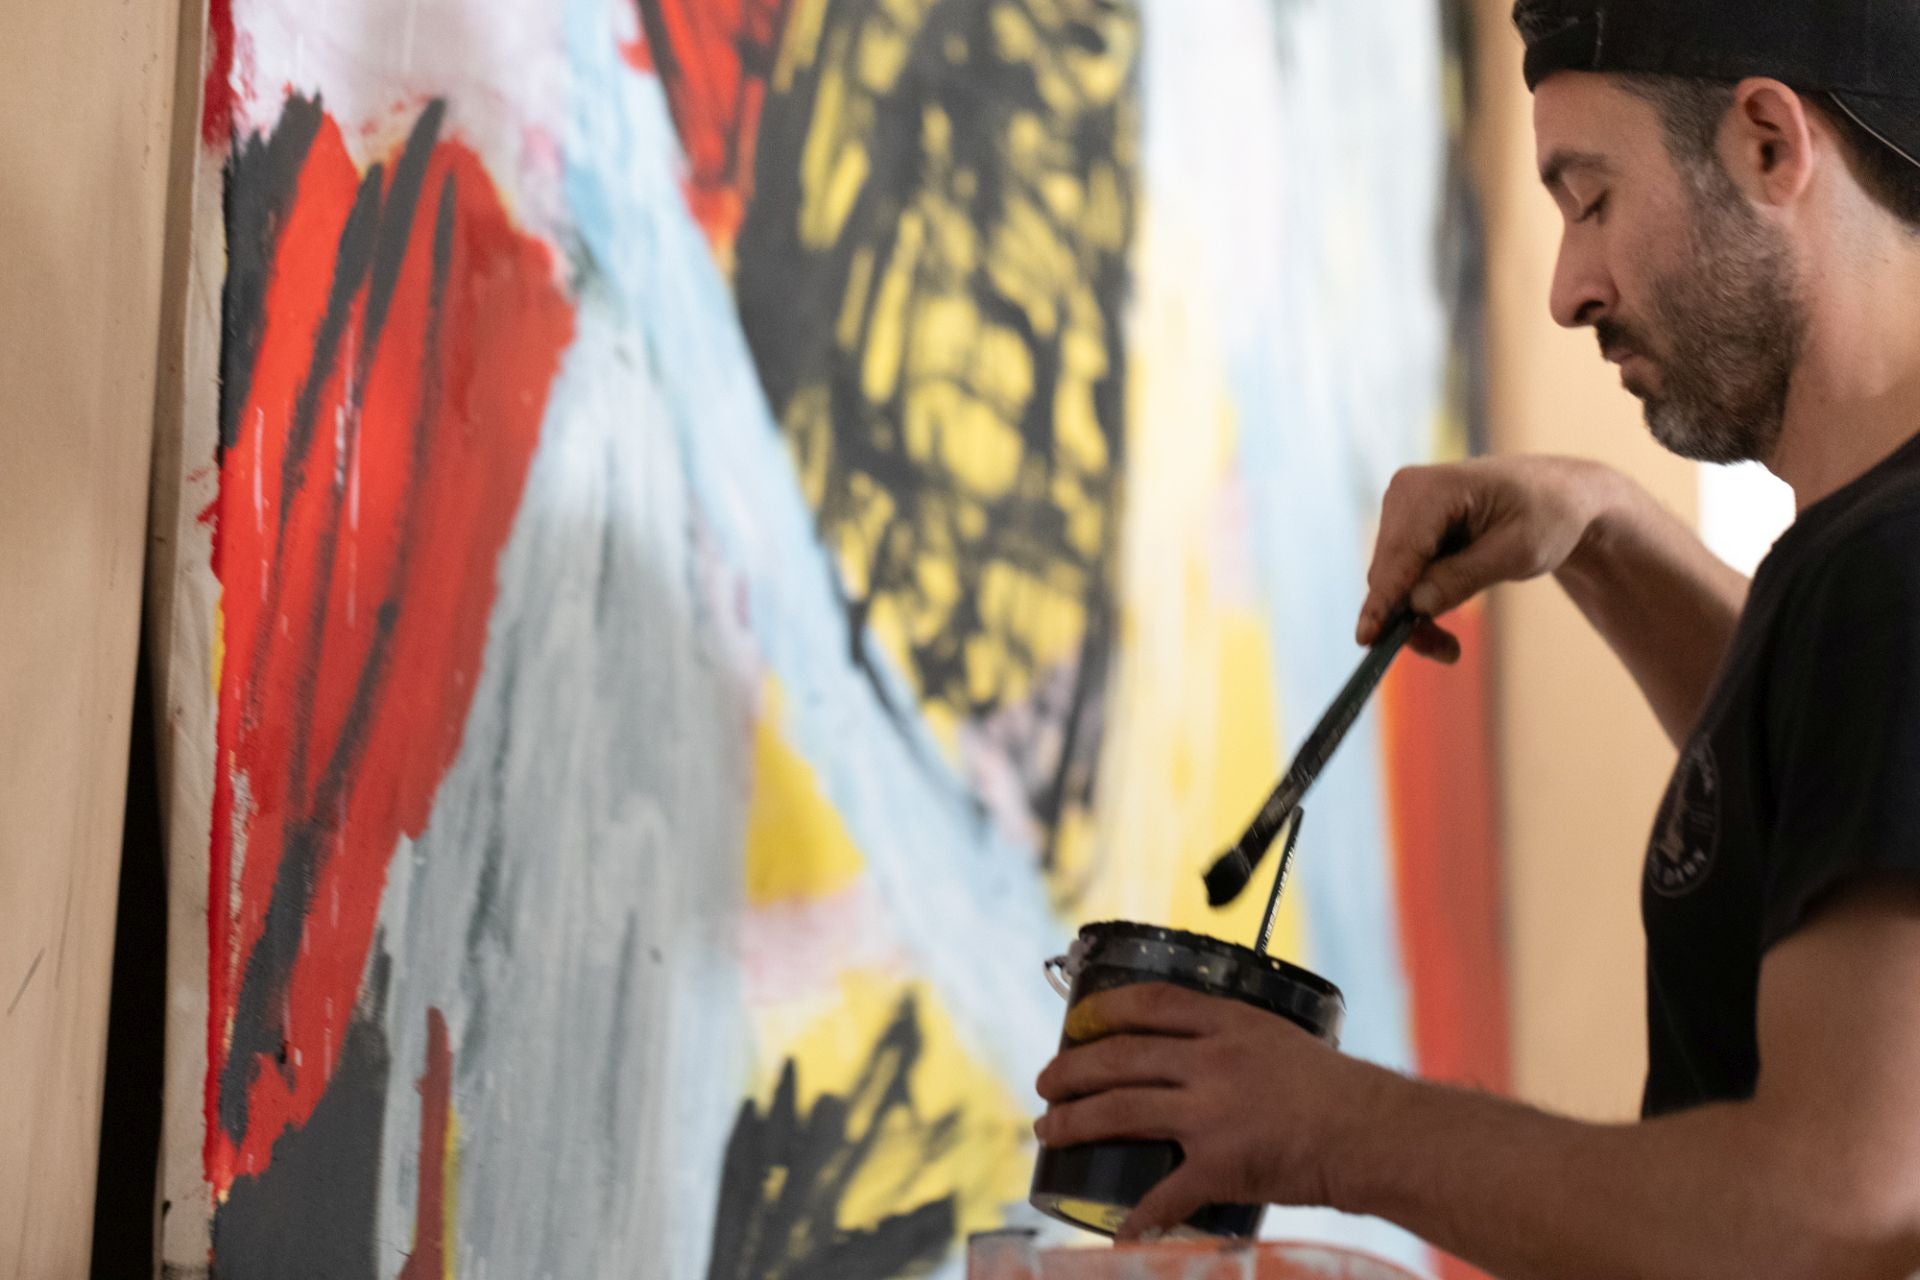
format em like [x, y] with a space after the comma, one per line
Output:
[1582, 761]
[85, 88]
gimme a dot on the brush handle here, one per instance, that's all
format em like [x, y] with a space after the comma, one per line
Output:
[1229, 875]
[1280, 881]
[1325, 738]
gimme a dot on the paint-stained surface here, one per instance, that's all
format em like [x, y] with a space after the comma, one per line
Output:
[1009, 1256]
[730, 529]
[801, 1180]
[390, 343]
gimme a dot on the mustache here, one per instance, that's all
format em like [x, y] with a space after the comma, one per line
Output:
[1617, 335]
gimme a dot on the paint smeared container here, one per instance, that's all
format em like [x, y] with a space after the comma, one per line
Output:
[1095, 1185]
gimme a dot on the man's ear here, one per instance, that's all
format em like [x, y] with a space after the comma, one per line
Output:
[1766, 142]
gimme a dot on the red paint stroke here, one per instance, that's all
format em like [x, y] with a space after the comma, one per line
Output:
[1436, 728]
[216, 110]
[428, 1260]
[404, 337]
[715, 58]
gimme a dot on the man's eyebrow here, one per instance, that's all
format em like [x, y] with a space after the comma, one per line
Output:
[1561, 162]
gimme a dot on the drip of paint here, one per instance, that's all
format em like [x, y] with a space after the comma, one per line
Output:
[217, 94]
[431, 1219]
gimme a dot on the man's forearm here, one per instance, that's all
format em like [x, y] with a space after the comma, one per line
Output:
[1530, 1196]
[1664, 603]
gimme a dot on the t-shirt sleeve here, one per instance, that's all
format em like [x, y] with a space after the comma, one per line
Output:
[1843, 724]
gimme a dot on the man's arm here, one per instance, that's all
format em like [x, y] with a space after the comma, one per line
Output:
[1665, 604]
[1818, 1175]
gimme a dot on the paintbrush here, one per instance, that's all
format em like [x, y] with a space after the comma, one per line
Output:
[1229, 874]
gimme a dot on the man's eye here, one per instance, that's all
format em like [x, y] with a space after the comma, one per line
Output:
[1594, 210]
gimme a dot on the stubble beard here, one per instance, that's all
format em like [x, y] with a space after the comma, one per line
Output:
[1732, 327]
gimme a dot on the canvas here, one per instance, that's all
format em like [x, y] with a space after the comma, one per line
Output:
[713, 534]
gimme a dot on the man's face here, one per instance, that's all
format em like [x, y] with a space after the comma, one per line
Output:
[1687, 288]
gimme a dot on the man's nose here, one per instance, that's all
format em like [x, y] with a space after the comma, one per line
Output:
[1582, 291]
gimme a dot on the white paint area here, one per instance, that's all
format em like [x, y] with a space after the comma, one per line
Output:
[1742, 510]
[502, 69]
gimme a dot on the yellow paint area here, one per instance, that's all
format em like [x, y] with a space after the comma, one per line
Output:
[1194, 720]
[985, 1162]
[797, 846]
[1244, 762]
[1215, 754]
[450, 1194]
[1083, 1023]
[913, 458]
[219, 661]
[1097, 1214]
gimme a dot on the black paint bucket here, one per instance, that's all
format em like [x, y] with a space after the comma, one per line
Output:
[1095, 1185]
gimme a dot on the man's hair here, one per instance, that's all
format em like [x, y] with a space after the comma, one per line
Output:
[1691, 111]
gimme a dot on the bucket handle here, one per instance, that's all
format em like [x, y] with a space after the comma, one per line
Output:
[1062, 970]
[1057, 972]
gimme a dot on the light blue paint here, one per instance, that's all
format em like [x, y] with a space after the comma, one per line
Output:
[967, 905]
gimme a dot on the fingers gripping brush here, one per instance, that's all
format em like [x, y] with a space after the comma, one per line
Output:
[1229, 874]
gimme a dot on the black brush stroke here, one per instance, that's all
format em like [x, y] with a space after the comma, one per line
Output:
[786, 1176]
[274, 951]
[379, 250]
[259, 1016]
[315, 1208]
[259, 182]
[789, 294]
[347, 749]
[396, 231]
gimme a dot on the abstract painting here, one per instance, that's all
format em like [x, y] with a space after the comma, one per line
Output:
[720, 532]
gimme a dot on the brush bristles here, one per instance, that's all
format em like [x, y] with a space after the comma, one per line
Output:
[1227, 877]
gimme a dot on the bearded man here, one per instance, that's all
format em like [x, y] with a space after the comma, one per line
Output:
[1740, 185]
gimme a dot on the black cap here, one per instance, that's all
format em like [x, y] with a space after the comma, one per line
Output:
[1864, 53]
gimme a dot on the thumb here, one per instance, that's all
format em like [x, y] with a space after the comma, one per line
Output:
[1449, 583]
[1173, 1200]
[1431, 640]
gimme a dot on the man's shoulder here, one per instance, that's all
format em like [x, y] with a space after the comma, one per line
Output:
[1869, 540]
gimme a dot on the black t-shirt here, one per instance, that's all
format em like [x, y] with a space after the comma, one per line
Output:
[1804, 771]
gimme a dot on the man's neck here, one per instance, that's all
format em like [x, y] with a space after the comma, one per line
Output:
[1856, 390]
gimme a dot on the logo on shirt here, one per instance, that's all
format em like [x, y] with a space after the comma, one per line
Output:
[1688, 831]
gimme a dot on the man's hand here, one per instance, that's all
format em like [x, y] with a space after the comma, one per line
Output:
[1257, 1104]
[1664, 603]
[1525, 516]
[1817, 1176]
